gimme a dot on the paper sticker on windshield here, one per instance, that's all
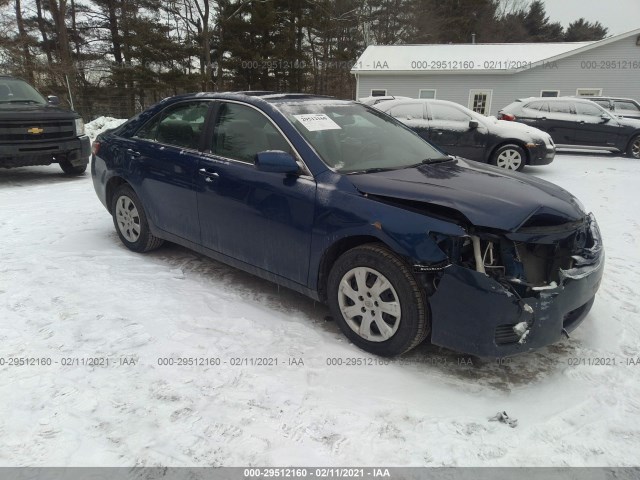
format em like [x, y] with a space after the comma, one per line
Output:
[317, 121]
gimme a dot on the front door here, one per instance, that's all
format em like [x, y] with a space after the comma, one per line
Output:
[449, 129]
[595, 127]
[260, 218]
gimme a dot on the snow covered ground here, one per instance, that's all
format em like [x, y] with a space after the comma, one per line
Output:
[70, 291]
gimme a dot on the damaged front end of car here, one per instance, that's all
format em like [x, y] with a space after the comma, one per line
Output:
[503, 293]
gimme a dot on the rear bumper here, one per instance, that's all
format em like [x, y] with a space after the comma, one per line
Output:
[475, 314]
[75, 150]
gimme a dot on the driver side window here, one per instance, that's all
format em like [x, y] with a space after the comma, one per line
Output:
[241, 132]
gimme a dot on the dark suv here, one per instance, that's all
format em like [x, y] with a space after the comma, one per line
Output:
[622, 107]
[577, 123]
[36, 131]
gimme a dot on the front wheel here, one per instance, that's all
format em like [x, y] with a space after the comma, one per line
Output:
[131, 223]
[509, 157]
[377, 302]
[634, 147]
[70, 169]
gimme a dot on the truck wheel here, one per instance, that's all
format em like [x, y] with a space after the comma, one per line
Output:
[377, 302]
[69, 169]
[509, 157]
[131, 221]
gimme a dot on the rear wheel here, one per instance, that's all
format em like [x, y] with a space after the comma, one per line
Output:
[70, 169]
[634, 147]
[509, 157]
[131, 223]
[377, 302]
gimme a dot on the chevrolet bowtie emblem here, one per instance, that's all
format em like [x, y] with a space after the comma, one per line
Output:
[35, 130]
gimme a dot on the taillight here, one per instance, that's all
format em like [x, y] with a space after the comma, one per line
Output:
[506, 116]
[95, 148]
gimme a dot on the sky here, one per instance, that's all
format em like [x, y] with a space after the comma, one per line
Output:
[618, 16]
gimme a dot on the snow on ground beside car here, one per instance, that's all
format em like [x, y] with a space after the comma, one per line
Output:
[100, 124]
[70, 292]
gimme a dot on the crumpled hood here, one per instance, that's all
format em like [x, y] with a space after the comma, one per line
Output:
[487, 196]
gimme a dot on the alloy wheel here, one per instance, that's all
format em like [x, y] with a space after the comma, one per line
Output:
[635, 148]
[509, 159]
[369, 304]
[128, 218]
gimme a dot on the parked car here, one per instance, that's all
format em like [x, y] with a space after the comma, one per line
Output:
[345, 204]
[459, 131]
[37, 131]
[376, 100]
[577, 123]
[622, 107]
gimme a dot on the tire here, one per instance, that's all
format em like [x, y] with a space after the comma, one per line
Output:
[390, 333]
[510, 157]
[69, 169]
[634, 147]
[130, 221]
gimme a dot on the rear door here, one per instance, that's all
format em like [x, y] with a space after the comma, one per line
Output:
[166, 153]
[449, 129]
[559, 122]
[260, 218]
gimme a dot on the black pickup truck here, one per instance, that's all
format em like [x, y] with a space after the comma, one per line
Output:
[36, 131]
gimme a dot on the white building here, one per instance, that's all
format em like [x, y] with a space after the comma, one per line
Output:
[487, 77]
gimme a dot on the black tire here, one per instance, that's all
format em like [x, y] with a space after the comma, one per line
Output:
[135, 226]
[505, 149]
[69, 169]
[413, 323]
[633, 150]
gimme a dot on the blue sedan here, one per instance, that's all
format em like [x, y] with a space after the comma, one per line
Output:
[345, 204]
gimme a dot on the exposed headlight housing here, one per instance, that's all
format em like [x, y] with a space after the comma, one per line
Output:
[79, 127]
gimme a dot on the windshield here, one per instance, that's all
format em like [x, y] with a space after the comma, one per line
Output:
[353, 138]
[14, 90]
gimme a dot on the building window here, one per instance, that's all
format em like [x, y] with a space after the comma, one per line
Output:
[550, 93]
[378, 93]
[480, 101]
[426, 93]
[589, 92]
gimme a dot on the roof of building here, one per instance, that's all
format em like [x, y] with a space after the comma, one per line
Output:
[469, 58]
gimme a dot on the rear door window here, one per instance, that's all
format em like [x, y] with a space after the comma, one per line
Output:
[540, 106]
[179, 125]
[559, 107]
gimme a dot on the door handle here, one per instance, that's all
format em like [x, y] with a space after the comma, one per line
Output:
[208, 174]
[133, 153]
[542, 118]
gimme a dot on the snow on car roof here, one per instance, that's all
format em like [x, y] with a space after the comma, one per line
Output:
[461, 58]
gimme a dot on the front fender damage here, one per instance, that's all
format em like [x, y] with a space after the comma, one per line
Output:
[504, 294]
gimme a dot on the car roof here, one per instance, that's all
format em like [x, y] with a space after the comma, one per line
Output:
[600, 97]
[555, 99]
[260, 96]
[392, 103]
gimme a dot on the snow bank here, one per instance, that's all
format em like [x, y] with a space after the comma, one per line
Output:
[72, 294]
[100, 124]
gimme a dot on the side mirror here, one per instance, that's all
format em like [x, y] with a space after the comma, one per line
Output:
[605, 118]
[53, 100]
[473, 124]
[276, 161]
